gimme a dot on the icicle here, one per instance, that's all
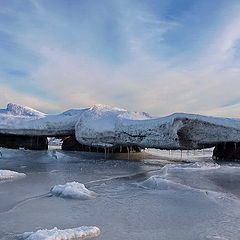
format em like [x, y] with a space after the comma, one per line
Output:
[181, 154]
[121, 148]
[105, 153]
[224, 146]
[235, 146]
[128, 153]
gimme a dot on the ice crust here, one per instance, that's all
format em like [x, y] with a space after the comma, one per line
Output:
[73, 190]
[83, 232]
[102, 125]
[10, 175]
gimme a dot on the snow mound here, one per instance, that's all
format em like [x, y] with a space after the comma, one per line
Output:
[73, 190]
[159, 183]
[9, 175]
[83, 232]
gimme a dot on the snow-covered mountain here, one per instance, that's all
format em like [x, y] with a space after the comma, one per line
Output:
[16, 109]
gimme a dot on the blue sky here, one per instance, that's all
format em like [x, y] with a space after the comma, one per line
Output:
[159, 56]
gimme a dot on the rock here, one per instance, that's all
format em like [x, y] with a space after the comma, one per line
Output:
[71, 144]
[26, 142]
[227, 151]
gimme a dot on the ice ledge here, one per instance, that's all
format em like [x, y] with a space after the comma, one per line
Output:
[110, 127]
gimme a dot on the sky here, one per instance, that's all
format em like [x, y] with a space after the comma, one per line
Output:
[157, 56]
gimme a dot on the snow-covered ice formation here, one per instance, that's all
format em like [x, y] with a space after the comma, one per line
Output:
[107, 126]
[10, 175]
[83, 232]
[73, 190]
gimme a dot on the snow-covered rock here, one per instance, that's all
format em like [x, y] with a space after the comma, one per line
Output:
[10, 175]
[73, 190]
[83, 232]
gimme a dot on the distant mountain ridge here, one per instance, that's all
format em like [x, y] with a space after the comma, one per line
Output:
[17, 109]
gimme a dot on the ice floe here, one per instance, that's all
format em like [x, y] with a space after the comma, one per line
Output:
[10, 175]
[84, 232]
[73, 190]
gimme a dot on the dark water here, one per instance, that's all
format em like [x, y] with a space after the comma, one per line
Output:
[204, 204]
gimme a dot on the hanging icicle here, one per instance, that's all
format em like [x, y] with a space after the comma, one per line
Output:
[128, 151]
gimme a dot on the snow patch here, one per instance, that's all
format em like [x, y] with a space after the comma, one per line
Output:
[73, 190]
[83, 232]
[9, 175]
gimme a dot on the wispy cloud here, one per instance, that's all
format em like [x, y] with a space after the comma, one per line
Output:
[123, 53]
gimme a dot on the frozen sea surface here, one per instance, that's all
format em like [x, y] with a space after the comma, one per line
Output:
[167, 195]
